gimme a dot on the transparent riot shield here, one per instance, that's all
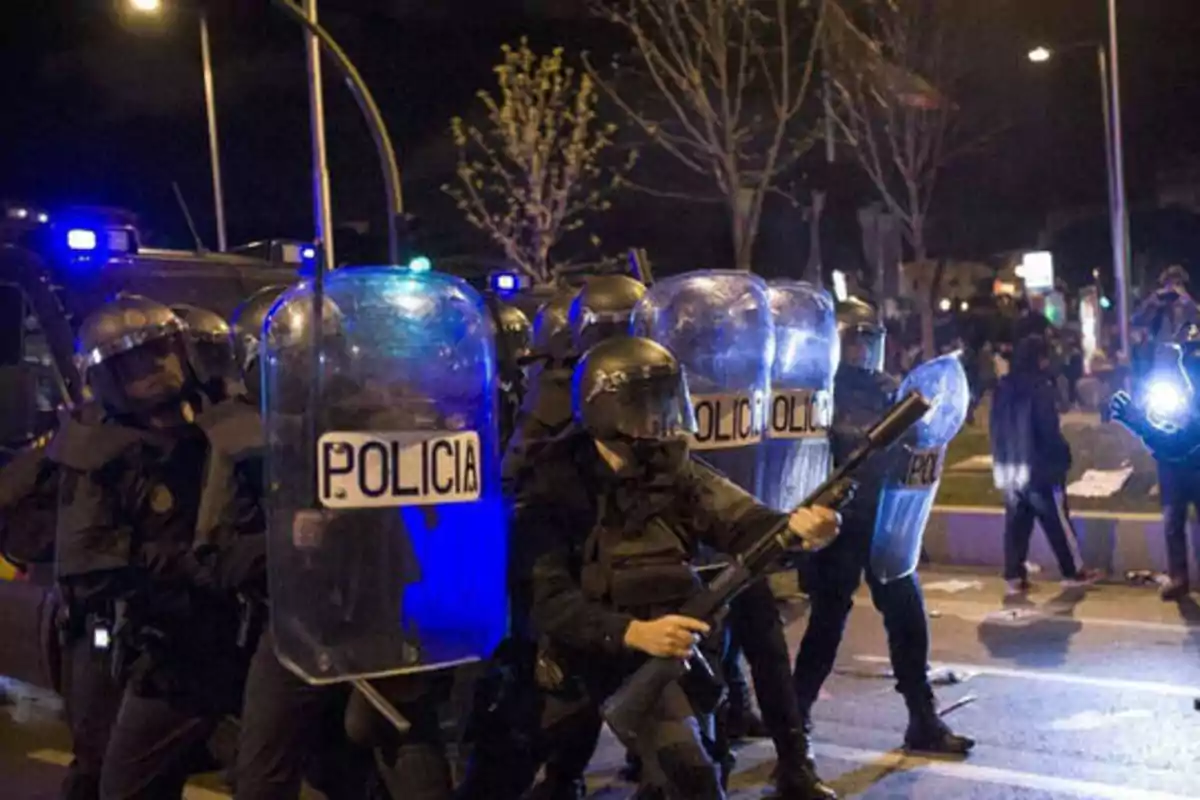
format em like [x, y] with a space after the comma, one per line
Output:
[795, 455]
[387, 542]
[718, 324]
[909, 490]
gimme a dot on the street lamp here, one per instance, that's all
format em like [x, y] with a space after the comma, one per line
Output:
[1110, 100]
[210, 105]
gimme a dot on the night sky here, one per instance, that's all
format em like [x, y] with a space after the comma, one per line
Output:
[102, 109]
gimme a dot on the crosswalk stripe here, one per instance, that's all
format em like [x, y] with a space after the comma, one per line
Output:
[61, 759]
[993, 775]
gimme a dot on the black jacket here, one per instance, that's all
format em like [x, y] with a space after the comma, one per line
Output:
[572, 495]
[1028, 447]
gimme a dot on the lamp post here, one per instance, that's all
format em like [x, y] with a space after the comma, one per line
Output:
[210, 106]
[322, 207]
[1110, 98]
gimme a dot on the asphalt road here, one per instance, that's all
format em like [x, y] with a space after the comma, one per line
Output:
[1077, 695]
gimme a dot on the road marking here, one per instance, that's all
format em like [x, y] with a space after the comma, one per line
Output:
[993, 775]
[61, 759]
[1095, 720]
[984, 611]
[1151, 687]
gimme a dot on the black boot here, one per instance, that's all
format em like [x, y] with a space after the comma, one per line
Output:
[927, 733]
[795, 773]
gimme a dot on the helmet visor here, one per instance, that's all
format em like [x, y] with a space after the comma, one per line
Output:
[652, 408]
[864, 346]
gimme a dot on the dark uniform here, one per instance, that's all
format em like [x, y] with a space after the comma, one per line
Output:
[514, 340]
[1168, 423]
[606, 545]
[144, 609]
[862, 393]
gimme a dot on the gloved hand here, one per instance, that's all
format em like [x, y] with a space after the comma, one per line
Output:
[1123, 410]
[815, 527]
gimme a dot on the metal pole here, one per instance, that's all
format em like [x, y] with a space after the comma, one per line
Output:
[1114, 219]
[322, 204]
[370, 112]
[214, 145]
[1122, 266]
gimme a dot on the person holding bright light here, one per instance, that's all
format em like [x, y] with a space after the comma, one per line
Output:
[1031, 458]
[1163, 413]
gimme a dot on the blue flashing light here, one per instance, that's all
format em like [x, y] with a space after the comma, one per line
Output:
[308, 253]
[81, 239]
[420, 264]
[504, 282]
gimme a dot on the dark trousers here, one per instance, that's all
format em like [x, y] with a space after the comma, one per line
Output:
[756, 626]
[1047, 505]
[155, 745]
[1180, 487]
[292, 730]
[676, 747]
[832, 576]
[92, 699]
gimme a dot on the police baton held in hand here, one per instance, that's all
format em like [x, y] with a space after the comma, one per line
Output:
[626, 710]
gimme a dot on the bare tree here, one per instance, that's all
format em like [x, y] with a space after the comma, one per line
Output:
[893, 83]
[537, 169]
[727, 81]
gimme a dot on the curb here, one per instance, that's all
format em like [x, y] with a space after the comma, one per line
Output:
[1114, 542]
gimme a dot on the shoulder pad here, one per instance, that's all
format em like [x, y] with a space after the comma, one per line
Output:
[233, 427]
[87, 445]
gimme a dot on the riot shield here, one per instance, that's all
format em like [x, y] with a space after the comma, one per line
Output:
[386, 529]
[910, 488]
[795, 455]
[718, 324]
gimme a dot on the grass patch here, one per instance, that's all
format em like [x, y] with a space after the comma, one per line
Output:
[1094, 445]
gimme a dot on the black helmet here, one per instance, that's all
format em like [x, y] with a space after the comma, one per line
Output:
[210, 347]
[247, 329]
[862, 333]
[134, 355]
[513, 331]
[631, 388]
[603, 309]
[552, 328]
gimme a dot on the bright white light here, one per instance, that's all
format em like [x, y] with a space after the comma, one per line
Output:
[81, 239]
[1040, 55]
[101, 639]
[43, 218]
[945, 304]
[1165, 398]
[146, 6]
[964, 306]
[1037, 270]
[839, 285]
[505, 283]
[308, 253]
[420, 264]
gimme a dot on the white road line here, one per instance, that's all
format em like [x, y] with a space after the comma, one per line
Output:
[60, 759]
[993, 775]
[1151, 687]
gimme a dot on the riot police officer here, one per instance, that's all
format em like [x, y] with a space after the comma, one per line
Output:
[603, 309]
[211, 352]
[246, 327]
[1165, 419]
[141, 603]
[862, 391]
[609, 526]
[514, 340]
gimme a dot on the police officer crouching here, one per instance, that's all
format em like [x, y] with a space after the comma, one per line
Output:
[862, 392]
[140, 599]
[609, 527]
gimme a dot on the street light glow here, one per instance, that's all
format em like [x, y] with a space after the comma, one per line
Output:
[1040, 55]
[146, 6]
